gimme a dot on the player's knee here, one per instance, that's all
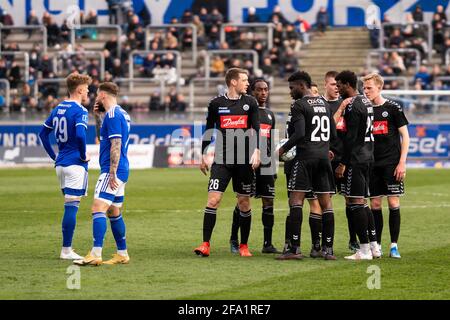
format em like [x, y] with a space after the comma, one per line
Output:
[394, 202]
[213, 201]
[356, 201]
[375, 203]
[71, 199]
[113, 212]
[244, 204]
[99, 206]
[267, 202]
[314, 206]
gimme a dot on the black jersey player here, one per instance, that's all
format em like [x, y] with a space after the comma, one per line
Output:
[264, 180]
[390, 151]
[233, 120]
[354, 167]
[311, 129]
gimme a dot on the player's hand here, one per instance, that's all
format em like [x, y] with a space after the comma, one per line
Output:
[330, 155]
[279, 153]
[96, 109]
[400, 171]
[256, 159]
[340, 171]
[113, 184]
[204, 166]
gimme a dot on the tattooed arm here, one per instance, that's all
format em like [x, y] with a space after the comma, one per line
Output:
[116, 145]
[98, 124]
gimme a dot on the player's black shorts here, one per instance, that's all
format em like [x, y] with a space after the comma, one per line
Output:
[221, 174]
[263, 185]
[312, 175]
[383, 183]
[355, 183]
[287, 170]
[337, 181]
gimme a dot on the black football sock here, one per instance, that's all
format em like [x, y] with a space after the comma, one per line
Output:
[371, 225]
[235, 224]
[268, 221]
[296, 214]
[378, 218]
[351, 228]
[328, 228]
[394, 224]
[287, 229]
[245, 221]
[360, 220]
[315, 224]
[209, 221]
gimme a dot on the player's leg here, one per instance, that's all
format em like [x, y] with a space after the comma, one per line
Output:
[356, 191]
[315, 224]
[234, 238]
[394, 225]
[376, 205]
[218, 182]
[353, 244]
[73, 182]
[242, 185]
[118, 229]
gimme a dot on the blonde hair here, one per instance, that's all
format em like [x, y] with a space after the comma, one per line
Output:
[377, 79]
[74, 80]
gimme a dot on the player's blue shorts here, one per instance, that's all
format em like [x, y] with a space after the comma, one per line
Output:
[73, 180]
[104, 192]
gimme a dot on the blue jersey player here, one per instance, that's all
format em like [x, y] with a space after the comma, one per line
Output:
[69, 122]
[110, 188]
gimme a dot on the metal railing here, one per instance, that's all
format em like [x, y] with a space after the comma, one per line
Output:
[270, 27]
[162, 85]
[177, 26]
[69, 55]
[41, 28]
[416, 94]
[177, 55]
[401, 25]
[26, 58]
[96, 27]
[210, 53]
[7, 94]
[404, 80]
[205, 81]
[381, 51]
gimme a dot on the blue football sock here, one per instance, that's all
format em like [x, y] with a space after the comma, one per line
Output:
[99, 228]
[69, 221]
[119, 230]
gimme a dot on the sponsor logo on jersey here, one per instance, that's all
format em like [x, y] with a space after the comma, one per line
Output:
[315, 101]
[380, 127]
[265, 130]
[341, 125]
[224, 110]
[233, 122]
[385, 114]
[269, 116]
[246, 107]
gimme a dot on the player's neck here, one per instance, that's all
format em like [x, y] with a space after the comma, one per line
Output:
[378, 101]
[109, 104]
[328, 98]
[262, 105]
[75, 98]
[232, 94]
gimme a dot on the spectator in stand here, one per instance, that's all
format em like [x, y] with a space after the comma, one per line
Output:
[111, 45]
[7, 20]
[278, 35]
[49, 88]
[289, 63]
[440, 11]
[171, 42]
[274, 55]
[65, 32]
[396, 39]
[187, 17]
[322, 20]
[279, 15]
[216, 17]
[148, 65]
[292, 39]
[374, 34]
[46, 66]
[252, 17]
[3, 69]
[424, 76]
[32, 20]
[188, 38]
[214, 38]
[418, 13]
[155, 101]
[133, 24]
[118, 70]
[200, 30]
[396, 63]
[113, 11]
[302, 27]
[179, 105]
[438, 33]
[53, 33]
[140, 37]
[445, 49]
[205, 18]
[217, 67]
[132, 42]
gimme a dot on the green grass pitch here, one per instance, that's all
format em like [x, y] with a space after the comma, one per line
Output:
[164, 213]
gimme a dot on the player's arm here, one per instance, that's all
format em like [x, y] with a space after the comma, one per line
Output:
[340, 111]
[207, 136]
[44, 136]
[116, 146]
[81, 128]
[98, 122]
[255, 160]
[351, 137]
[400, 170]
[299, 124]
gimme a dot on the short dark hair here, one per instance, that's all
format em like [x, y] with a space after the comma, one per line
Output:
[301, 76]
[253, 86]
[348, 77]
[331, 74]
[233, 74]
[110, 88]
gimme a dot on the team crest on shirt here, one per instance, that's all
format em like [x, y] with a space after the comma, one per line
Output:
[385, 114]
[246, 107]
